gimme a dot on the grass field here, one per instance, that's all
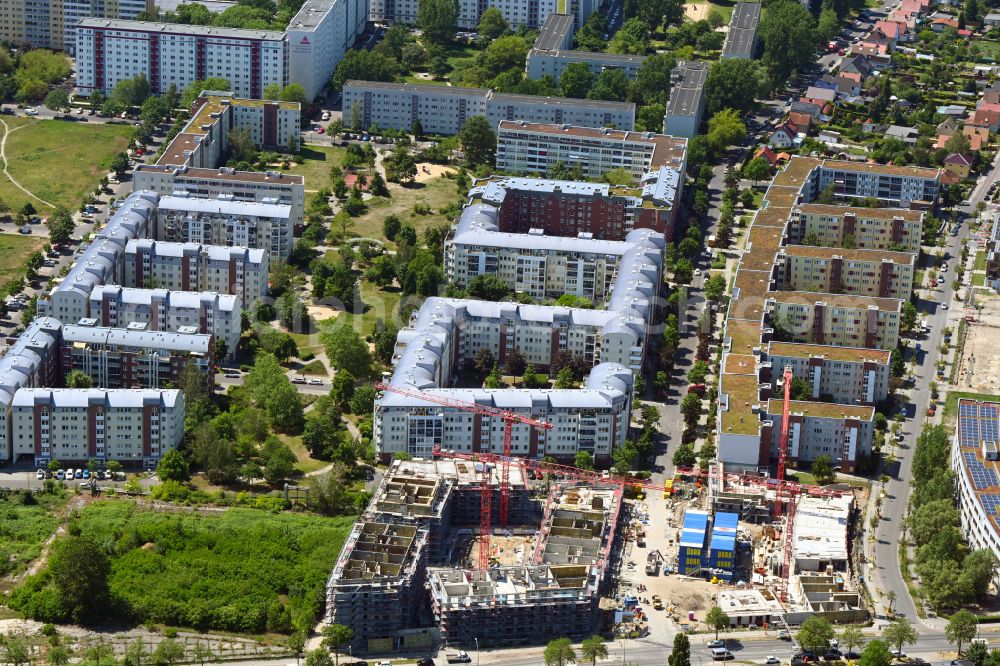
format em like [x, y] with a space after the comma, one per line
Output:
[14, 251]
[24, 529]
[306, 463]
[951, 402]
[980, 264]
[316, 166]
[240, 570]
[58, 161]
[436, 193]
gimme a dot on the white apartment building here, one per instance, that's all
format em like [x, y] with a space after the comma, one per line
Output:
[239, 271]
[974, 460]
[103, 260]
[537, 264]
[133, 357]
[530, 13]
[51, 24]
[892, 186]
[842, 432]
[845, 375]
[687, 99]
[162, 310]
[444, 109]
[32, 360]
[263, 226]
[131, 426]
[228, 185]
[524, 148]
[109, 51]
[318, 37]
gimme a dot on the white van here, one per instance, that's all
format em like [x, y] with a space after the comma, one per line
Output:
[721, 654]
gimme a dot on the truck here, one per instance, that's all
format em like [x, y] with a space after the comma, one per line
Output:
[458, 657]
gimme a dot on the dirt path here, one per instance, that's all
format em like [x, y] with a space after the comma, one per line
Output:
[7, 131]
[39, 562]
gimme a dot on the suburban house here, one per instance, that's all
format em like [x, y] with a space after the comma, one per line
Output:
[803, 121]
[948, 126]
[830, 136]
[858, 64]
[988, 118]
[848, 83]
[942, 24]
[784, 136]
[905, 134]
[991, 19]
[958, 165]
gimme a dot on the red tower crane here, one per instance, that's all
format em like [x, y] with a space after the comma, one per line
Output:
[783, 439]
[486, 499]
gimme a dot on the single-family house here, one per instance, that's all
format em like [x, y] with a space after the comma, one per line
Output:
[830, 136]
[948, 126]
[942, 24]
[988, 118]
[819, 95]
[991, 19]
[979, 137]
[958, 165]
[953, 110]
[964, 32]
[869, 126]
[783, 136]
[991, 95]
[768, 154]
[857, 65]
[848, 83]
[905, 134]
[890, 29]
[801, 120]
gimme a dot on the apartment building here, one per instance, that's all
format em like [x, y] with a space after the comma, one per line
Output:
[109, 51]
[204, 140]
[571, 208]
[535, 148]
[318, 36]
[51, 24]
[529, 13]
[30, 360]
[224, 186]
[893, 186]
[842, 271]
[741, 40]
[977, 481]
[133, 356]
[238, 271]
[134, 427]
[162, 310]
[687, 99]
[845, 375]
[444, 109]
[102, 261]
[842, 432]
[538, 264]
[895, 229]
[834, 319]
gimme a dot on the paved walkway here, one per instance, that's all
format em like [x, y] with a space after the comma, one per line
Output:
[7, 131]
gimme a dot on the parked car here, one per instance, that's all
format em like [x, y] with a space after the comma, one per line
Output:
[60, 475]
[86, 473]
[78, 474]
[40, 474]
[316, 382]
[715, 643]
[771, 659]
[298, 379]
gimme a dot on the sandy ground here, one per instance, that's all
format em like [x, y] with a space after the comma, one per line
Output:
[321, 312]
[982, 354]
[698, 11]
[427, 171]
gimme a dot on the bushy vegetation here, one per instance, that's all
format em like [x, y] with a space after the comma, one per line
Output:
[241, 570]
[26, 521]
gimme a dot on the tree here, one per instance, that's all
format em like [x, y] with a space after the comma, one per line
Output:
[611, 85]
[168, 651]
[961, 628]
[815, 634]
[565, 379]
[399, 166]
[514, 363]
[828, 25]
[732, 83]
[716, 619]
[758, 168]
[898, 633]
[492, 24]
[489, 287]
[57, 99]
[680, 655]
[725, 129]
[296, 643]
[593, 648]
[15, 650]
[822, 469]
[294, 92]
[788, 32]
[438, 19]
[851, 637]
[493, 380]
[391, 226]
[335, 637]
[78, 379]
[82, 567]
[876, 653]
[478, 141]
[347, 351]
[576, 80]
[715, 288]
[202, 653]
[119, 165]
[173, 466]
[318, 657]
[560, 652]
[631, 39]
[279, 461]
[367, 65]
[908, 317]
[979, 567]
[651, 85]
[583, 460]
[56, 655]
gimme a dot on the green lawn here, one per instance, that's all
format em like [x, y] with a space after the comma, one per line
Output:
[24, 529]
[306, 463]
[14, 251]
[978, 279]
[316, 166]
[980, 264]
[436, 193]
[951, 401]
[57, 160]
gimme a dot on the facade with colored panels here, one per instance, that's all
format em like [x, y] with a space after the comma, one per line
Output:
[318, 37]
[109, 51]
[721, 561]
[528, 13]
[843, 271]
[846, 375]
[866, 228]
[834, 319]
[444, 109]
[238, 271]
[843, 432]
[51, 24]
[133, 357]
[76, 425]
[571, 208]
[691, 550]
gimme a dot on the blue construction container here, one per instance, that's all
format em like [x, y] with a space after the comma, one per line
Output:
[721, 559]
[692, 543]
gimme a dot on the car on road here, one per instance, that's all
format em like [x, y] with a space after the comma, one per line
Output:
[25, 229]
[771, 659]
[30, 112]
[78, 474]
[316, 382]
[716, 643]
[298, 379]
[897, 654]
[326, 115]
[233, 375]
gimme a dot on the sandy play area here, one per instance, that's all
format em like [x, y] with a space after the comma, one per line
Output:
[321, 312]
[697, 12]
[427, 171]
[981, 362]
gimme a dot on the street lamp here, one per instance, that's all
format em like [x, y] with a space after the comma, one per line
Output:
[477, 650]
[623, 651]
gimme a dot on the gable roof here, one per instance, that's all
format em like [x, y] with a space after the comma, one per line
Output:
[958, 158]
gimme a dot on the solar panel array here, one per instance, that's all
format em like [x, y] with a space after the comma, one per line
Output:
[968, 425]
[988, 422]
[982, 476]
[991, 503]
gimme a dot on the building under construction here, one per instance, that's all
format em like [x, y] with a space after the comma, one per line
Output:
[408, 564]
